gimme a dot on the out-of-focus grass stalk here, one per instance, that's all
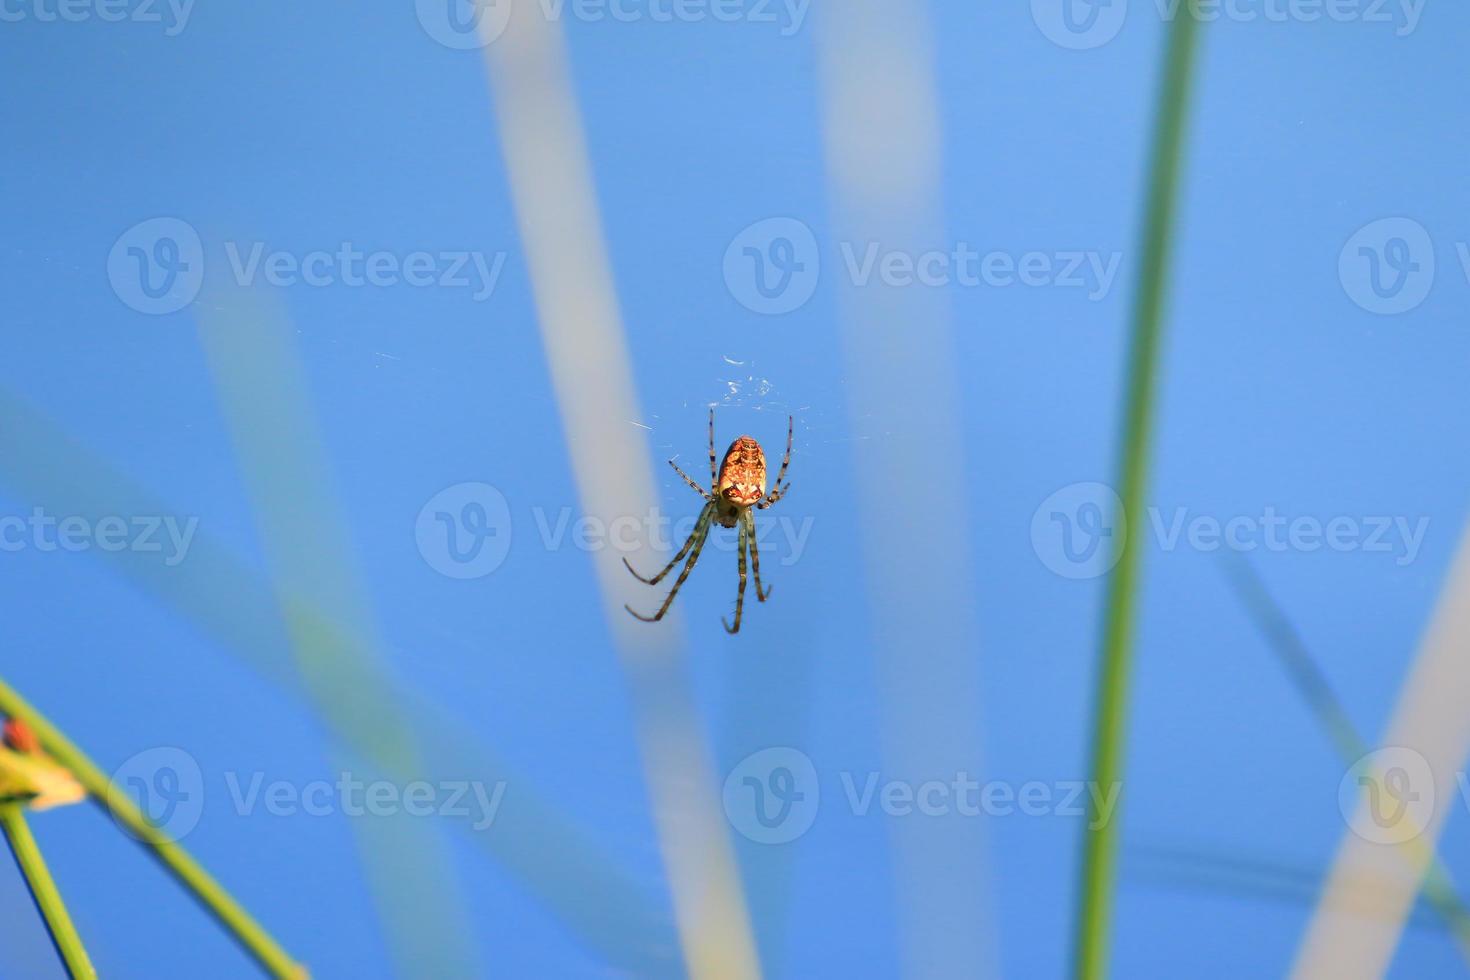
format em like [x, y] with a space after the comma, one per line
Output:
[265, 398]
[1286, 643]
[1371, 887]
[43, 890]
[1100, 837]
[248, 932]
[1234, 874]
[882, 126]
[553, 192]
[571, 873]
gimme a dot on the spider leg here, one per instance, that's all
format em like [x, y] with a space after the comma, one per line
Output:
[697, 488]
[773, 496]
[739, 595]
[714, 474]
[701, 532]
[755, 556]
[703, 521]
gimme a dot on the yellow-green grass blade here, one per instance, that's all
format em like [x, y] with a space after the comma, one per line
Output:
[240, 923]
[43, 891]
[1110, 712]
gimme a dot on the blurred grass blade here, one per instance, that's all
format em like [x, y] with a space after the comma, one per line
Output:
[596, 899]
[264, 397]
[43, 891]
[552, 189]
[1198, 868]
[883, 143]
[1284, 640]
[210, 894]
[1428, 733]
[1100, 838]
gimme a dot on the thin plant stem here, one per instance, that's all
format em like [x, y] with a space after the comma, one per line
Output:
[1100, 836]
[230, 914]
[43, 891]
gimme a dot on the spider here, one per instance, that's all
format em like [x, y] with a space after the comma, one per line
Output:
[737, 485]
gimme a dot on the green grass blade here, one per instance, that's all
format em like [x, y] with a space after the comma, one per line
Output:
[249, 933]
[43, 891]
[1100, 838]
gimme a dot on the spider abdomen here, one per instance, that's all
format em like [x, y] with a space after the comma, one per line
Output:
[742, 480]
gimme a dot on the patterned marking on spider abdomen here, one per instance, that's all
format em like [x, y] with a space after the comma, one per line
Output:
[743, 473]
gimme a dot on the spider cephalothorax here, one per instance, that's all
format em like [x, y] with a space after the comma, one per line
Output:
[735, 487]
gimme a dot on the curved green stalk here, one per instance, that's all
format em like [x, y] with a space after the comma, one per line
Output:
[1100, 838]
[43, 891]
[249, 933]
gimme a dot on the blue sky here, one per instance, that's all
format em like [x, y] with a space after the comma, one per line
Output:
[329, 129]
